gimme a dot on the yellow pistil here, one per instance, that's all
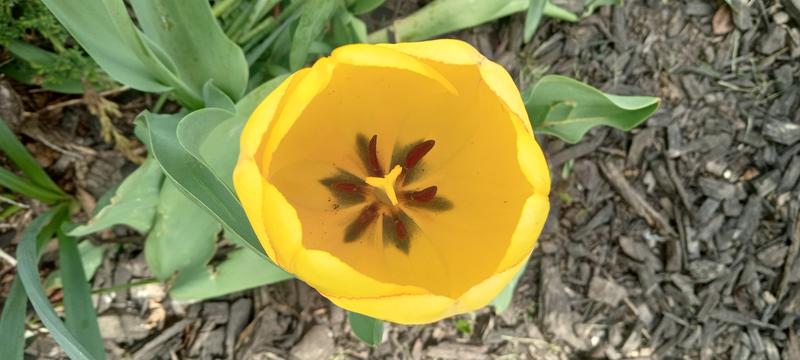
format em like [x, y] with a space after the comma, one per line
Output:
[384, 186]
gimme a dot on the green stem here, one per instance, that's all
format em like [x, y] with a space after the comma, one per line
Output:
[119, 287]
[222, 7]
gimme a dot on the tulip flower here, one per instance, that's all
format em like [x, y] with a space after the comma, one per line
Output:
[402, 181]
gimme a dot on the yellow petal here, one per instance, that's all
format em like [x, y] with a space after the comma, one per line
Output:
[416, 309]
[375, 56]
[446, 51]
[247, 177]
[483, 293]
[457, 52]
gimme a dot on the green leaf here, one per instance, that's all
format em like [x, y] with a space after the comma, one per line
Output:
[191, 37]
[20, 156]
[315, 16]
[242, 269]
[592, 5]
[347, 29]
[216, 98]
[81, 317]
[193, 178]
[91, 257]
[184, 234]
[105, 30]
[28, 273]
[567, 108]
[503, 300]
[445, 16]
[367, 329]
[133, 204]
[22, 68]
[534, 16]
[12, 322]
[360, 7]
[26, 188]
[196, 132]
[212, 136]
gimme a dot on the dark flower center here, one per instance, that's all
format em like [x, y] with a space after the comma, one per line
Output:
[381, 195]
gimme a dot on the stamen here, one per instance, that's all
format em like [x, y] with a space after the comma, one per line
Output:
[356, 228]
[400, 228]
[346, 187]
[375, 166]
[417, 152]
[424, 195]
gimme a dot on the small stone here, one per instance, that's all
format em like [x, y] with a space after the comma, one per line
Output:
[773, 256]
[316, 344]
[780, 18]
[782, 132]
[706, 270]
[122, 328]
[606, 291]
[773, 41]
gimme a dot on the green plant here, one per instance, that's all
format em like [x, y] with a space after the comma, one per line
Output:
[79, 335]
[55, 62]
[215, 60]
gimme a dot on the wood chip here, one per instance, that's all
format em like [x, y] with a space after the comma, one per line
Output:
[634, 199]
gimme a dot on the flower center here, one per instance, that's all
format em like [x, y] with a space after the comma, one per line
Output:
[384, 186]
[385, 195]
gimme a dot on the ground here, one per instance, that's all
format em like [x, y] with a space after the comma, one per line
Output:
[679, 239]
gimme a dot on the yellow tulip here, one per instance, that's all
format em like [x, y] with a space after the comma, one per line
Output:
[401, 181]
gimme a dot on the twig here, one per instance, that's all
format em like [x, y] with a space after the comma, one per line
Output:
[149, 350]
[80, 100]
[673, 175]
[12, 202]
[634, 199]
[8, 258]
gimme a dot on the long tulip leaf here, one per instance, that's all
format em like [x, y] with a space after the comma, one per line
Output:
[80, 314]
[195, 179]
[28, 273]
[12, 322]
[179, 220]
[315, 16]
[367, 329]
[188, 33]
[20, 156]
[133, 202]
[568, 108]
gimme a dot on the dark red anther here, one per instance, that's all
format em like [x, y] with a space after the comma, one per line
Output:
[368, 214]
[375, 166]
[346, 187]
[425, 195]
[400, 228]
[364, 219]
[417, 152]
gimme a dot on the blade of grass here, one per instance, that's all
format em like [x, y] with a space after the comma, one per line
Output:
[26, 188]
[22, 158]
[254, 52]
[28, 272]
[81, 317]
[12, 323]
[534, 16]
[315, 16]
